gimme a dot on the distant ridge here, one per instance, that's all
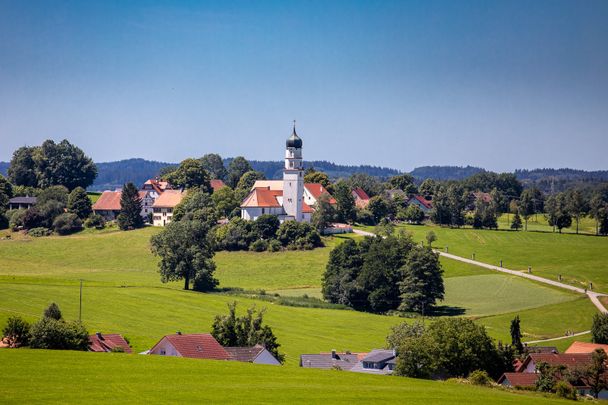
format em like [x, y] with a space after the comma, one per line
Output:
[445, 172]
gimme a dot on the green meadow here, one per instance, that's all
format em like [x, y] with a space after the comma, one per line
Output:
[30, 376]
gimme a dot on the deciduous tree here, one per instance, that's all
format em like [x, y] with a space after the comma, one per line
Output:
[79, 203]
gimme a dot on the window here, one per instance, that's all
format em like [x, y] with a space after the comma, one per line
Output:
[263, 210]
[163, 352]
[169, 210]
[156, 209]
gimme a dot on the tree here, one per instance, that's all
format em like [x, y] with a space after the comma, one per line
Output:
[416, 357]
[190, 173]
[345, 202]
[422, 283]
[516, 222]
[6, 193]
[214, 165]
[67, 223]
[53, 311]
[197, 205]
[185, 254]
[441, 213]
[226, 202]
[557, 211]
[63, 164]
[576, 206]
[403, 182]
[456, 198]
[430, 238]
[379, 208]
[236, 169]
[245, 331]
[22, 169]
[339, 284]
[266, 226]
[404, 331]
[413, 214]
[79, 203]
[427, 188]
[370, 184]
[59, 194]
[599, 329]
[130, 208]
[548, 376]
[324, 213]
[595, 375]
[54, 334]
[516, 335]
[314, 176]
[526, 205]
[16, 333]
[248, 179]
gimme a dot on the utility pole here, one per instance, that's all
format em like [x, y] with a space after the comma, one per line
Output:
[80, 304]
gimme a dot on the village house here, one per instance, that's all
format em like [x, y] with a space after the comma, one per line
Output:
[195, 346]
[585, 347]
[425, 205]
[257, 354]
[288, 199]
[164, 205]
[378, 361]
[21, 203]
[109, 342]
[331, 361]
[361, 197]
[217, 184]
[108, 204]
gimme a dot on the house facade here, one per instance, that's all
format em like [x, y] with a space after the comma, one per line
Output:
[361, 198]
[162, 209]
[108, 205]
[425, 205]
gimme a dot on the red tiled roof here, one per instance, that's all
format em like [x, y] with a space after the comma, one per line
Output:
[106, 342]
[169, 199]
[569, 360]
[519, 379]
[307, 209]
[584, 347]
[108, 201]
[198, 346]
[246, 354]
[217, 184]
[360, 193]
[317, 190]
[158, 185]
[423, 201]
[263, 197]
[485, 197]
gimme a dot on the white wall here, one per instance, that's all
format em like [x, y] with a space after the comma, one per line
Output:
[165, 345]
[266, 358]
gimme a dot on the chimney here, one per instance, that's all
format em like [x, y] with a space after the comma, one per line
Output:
[333, 354]
[99, 335]
[178, 333]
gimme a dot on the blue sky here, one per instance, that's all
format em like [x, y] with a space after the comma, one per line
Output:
[502, 85]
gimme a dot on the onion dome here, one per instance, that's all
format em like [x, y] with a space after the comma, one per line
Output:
[294, 141]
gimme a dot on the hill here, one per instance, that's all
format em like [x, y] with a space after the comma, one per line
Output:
[445, 172]
[30, 376]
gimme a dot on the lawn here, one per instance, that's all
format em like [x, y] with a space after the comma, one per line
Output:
[579, 259]
[71, 377]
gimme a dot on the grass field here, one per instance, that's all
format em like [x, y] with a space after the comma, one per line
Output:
[579, 259]
[70, 377]
[539, 223]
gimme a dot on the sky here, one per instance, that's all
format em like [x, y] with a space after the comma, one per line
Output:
[497, 84]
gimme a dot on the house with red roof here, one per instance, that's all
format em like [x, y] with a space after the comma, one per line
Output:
[216, 184]
[108, 342]
[194, 346]
[585, 347]
[108, 205]
[164, 205]
[425, 205]
[361, 197]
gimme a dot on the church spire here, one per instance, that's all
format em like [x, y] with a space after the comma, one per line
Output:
[294, 141]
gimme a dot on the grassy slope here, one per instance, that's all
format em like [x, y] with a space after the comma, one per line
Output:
[578, 258]
[123, 293]
[94, 377]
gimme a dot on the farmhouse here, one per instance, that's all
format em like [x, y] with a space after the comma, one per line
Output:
[21, 203]
[195, 346]
[329, 361]
[290, 198]
[256, 354]
[108, 204]
[361, 198]
[217, 184]
[108, 342]
[378, 361]
[422, 203]
[164, 205]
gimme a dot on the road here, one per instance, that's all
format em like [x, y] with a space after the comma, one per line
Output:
[593, 296]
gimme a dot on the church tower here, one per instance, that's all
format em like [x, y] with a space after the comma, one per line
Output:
[293, 177]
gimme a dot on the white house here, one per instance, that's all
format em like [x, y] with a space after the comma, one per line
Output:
[285, 198]
[164, 205]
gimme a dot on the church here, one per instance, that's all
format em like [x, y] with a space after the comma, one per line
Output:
[289, 199]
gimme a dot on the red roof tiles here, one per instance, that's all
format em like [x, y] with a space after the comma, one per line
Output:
[197, 346]
[169, 199]
[217, 184]
[519, 379]
[106, 342]
[108, 201]
[360, 193]
[584, 347]
[246, 354]
[317, 190]
[423, 201]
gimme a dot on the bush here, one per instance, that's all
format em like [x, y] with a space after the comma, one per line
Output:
[67, 223]
[118, 349]
[480, 377]
[15, 218]
[274, 246]
[53, 312]
[365, 217]
[95, 221]
[39, 232]
[298, 235]
[565, 390]
[599, 329]
[3, 220]
[49, 333]
[16, 332]
[259, 246]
